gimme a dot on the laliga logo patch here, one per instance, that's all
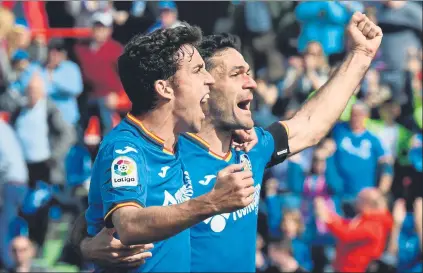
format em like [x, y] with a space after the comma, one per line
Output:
[124, 172]
[246, 163]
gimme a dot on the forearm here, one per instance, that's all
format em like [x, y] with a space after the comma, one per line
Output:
[78, 232]
[393, 240]
[385, 183]
[419, 232]
[318, 115]
[151, 224]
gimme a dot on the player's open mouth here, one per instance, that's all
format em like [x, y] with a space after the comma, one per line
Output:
[205, 99]
[244, 104]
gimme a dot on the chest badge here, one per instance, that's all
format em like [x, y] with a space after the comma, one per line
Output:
[246, 163]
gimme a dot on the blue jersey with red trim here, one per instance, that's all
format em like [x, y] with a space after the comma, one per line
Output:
[132, 168]
[225, 242]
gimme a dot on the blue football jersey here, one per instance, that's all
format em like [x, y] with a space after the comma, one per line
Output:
[132, 168]
[356, 158]
[225, 242]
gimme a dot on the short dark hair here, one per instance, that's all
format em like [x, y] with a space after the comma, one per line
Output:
[213, 44]
[148, 58]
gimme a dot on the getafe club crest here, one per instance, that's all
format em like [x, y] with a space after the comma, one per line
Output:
[246, 163]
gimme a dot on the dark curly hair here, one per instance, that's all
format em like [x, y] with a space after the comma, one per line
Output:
[213, 44]
[148, 58]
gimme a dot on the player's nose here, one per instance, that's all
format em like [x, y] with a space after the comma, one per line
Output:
[209, 79]
[250, 83]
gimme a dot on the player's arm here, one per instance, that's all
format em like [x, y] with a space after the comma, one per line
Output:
[234, 189]
[104, 249]
[317, 116]
[78, 232]
[124, 195]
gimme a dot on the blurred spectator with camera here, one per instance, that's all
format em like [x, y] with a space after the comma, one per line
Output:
[362, 239]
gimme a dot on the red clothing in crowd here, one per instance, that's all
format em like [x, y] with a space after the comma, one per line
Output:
[360, 240]
[99, 67]
[34, 12]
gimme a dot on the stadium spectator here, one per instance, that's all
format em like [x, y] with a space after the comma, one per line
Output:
[291, 229]
[322, 181]
[401, 22]
[13, 186]
[168, 16]
[404, 247]
[24, 70]
[324, 22]
[7, 20]
[98, 60]
[23, 254]
[259, 47]
[82, 11]
[30, 13]
[357, 147]
[394, 137]
[65, 81]
[20, 39]
[281, 258]
[46, 139]
[262, 261]
[306, 74]
[362, 239]
[374, 93]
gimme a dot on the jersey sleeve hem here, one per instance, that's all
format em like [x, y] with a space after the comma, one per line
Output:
[121, 205]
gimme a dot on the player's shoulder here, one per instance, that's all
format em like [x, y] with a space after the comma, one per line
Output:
[191, 142]
[122, 140]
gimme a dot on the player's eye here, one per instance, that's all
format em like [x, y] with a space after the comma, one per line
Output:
[198, 69]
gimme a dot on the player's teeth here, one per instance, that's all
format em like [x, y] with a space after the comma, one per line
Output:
[205, 98]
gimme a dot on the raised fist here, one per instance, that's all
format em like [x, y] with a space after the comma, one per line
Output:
[234, 189]
[365, 35]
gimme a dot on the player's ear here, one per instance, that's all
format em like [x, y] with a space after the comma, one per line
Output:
[163, 89]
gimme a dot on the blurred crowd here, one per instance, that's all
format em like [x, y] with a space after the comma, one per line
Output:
[352, 203]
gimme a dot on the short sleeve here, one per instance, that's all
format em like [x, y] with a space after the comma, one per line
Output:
[265, 145]
[125, 179]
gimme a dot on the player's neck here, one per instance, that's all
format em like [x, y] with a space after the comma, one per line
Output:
[162, 125]
[218, 139]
